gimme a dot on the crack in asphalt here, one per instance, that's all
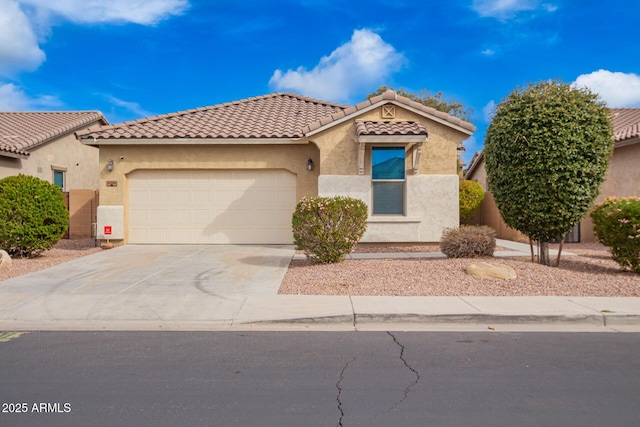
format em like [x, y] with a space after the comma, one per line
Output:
[407, 390]
[339, 387]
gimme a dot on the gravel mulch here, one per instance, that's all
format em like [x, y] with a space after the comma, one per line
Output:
[590, 273]
[64, 250]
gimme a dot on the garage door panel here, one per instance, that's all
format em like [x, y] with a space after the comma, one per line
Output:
[211, 206]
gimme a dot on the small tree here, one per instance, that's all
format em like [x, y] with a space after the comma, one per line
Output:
[547, 151]
[33, 215]
[471, 196]
[438, 101]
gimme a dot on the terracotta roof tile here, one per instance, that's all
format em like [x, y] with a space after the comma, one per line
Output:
[21, 131]
[278, 115]
[626, 123]
[392, 96]
[390, 128]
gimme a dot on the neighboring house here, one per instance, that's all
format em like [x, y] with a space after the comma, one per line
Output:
[622, 178]
[44, 145]
[234, 172]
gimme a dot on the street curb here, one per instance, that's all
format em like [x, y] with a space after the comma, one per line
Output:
[479, 318]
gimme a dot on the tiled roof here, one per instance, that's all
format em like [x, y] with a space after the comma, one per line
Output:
[22, 131]
[390, 128]
[390, 96]
[626, 123]
[277, 115]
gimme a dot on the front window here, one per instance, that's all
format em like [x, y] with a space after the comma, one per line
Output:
[388, 178]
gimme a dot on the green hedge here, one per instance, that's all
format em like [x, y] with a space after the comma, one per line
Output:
[616, 223]
[33, 215]
[471, 196]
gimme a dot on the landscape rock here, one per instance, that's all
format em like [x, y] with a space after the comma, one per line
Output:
[490, 270]
[5, 259]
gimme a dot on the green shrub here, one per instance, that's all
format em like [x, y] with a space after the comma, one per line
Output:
[33, 215]
[468, 241]
[616, 223]
[471, 195]
[327, 229]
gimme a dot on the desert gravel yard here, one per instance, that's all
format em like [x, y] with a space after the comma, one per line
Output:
[590, 273]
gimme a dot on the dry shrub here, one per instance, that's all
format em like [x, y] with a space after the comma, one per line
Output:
[468, 241]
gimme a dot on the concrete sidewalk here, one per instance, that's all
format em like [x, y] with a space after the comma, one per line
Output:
[208, 288]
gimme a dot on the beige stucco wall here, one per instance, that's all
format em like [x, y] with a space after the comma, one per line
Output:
[622, 180]
[432, 194]
[79, 161]
[128, 158]
[339, 147]
[431, 206]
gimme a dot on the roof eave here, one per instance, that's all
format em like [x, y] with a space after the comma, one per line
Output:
[193, 141]
[392, 139]
[356, 111]
[627, 142]
[475, 163]
[14, 155]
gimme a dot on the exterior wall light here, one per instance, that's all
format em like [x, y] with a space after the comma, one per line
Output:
[110, 165]
[309, 165]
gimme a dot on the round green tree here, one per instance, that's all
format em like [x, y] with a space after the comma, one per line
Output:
[546, 151]
[33, 215]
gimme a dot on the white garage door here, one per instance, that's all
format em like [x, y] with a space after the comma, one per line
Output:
[211, 206]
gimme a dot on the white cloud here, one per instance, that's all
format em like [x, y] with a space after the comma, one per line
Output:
[488, 52]
[13, 98]
[488, 111]
[19, 50]
[144, 12]
[21, 21]
[615, 88]
[132, 107]
[360, 63]
[505, 9]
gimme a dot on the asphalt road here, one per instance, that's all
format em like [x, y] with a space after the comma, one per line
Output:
[319, 379]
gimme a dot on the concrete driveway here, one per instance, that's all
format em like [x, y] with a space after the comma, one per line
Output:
[129, 284]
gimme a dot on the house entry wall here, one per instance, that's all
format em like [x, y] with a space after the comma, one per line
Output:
[210, 206]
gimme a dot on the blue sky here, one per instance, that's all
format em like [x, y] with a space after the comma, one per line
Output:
[136, 58]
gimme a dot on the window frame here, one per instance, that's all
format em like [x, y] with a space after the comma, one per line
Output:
[63, 173]
[403, 208]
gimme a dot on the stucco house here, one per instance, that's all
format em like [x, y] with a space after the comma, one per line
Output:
[622, 178]
[234, 172]
[44, 145]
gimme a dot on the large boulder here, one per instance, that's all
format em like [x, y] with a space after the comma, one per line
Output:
[5, 259]
[490, 270]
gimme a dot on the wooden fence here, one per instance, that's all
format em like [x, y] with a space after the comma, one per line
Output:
[82, 206]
